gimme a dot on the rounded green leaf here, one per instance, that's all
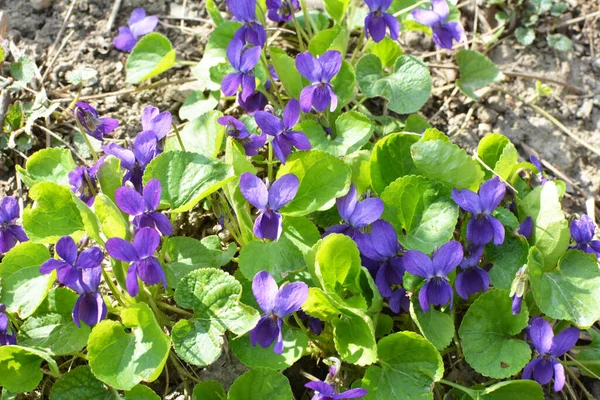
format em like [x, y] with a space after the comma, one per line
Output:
[520, 389]
[422, 212]
[295, 343]
[387, 50]
[344, 84]
[498, 153]
[285, 66]
[197, 342]
[141, 392]
[360, 163]
[110, 176]
[78, 384]
[150, 57]
[354, 338]
[476, 71]
[121, 358]
[323, 178]
[353, 130]
[487, 332]
[112, 222]
[187, 178]
[409, 366]
[391, 160]
[197, 104]
[506, 259]
[209, 390]
[260, 384]
[202, 135]
[48, 165]
[436, 326]
[333, 38]
[20, 367]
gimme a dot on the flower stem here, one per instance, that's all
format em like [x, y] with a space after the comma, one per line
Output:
[270, 163]
[174, 309]
[471, 393]
[178, 136]
[358, 46]
[298, 32]
[87, 140]
[115, 292]
[312, 29]
[410, 8]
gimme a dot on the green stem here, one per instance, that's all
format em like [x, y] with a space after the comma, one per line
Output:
[358, 46]
[312, 29]
[410, 8]
[265, 64]
[178, 136]
[116, 293]
[298, 32]
[87, 140]
[316, 340]
[174, 309]
[270, 163]
[119, 273]
[471, 393]
[456, 339]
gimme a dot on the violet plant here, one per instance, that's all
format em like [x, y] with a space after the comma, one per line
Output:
[335, 238]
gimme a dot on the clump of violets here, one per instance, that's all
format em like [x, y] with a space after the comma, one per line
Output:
[87, 118]
[436, 290]
[10, 232]
[90, 307]
[378, 20]
[243, 60]
[251, 31]
[326, 390]
[277, 303]
[355, 214]
[549, 347]
[141, 256]
[380, 250]
[143, 207]
[472, 279]
[518, 289]
[7, 336]
[482, 227]
[237, 130]
[436, 18]
[269, 223]
[83, 181]
[582, 231]
[319, 71]
[540, 175]
[282, 10]
[284, 137]
[156, 121]
[70, 266]
[139, 25]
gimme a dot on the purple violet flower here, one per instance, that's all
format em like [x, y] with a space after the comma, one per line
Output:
[526, 227]
[141, 256]
[518, 289]
[268, 224]
[139, 25]
[145, 148]
[482, 227]
[7, 336]
[156, 121]
[355, 214]
[326, 391]
[549, 347]
[436, 290]
[83, 181]
[277, 303]
[378, 20]
[319, 71]
[282, 10]
[472, 279]
[315, 324]
[237, 130]
[251, 32]
[253, 103]
[443, 32]
[583, 231]
[87, 117]
[10, 232]
[90, 307]
[540, 175]
[71, 264]
[284, 137]
[381, 248]
[243, 60]
[144, 208]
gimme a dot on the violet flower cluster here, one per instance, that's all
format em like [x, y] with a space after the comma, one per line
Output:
[88, 118]
[84, 183]
[282, 10]
[237, 130]
[356, 214]
[444, 32]
[583, 231]
[378, 21]
[319, 71]
[251, 32]
[10, 232]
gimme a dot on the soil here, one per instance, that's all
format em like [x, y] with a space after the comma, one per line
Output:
[33, 25]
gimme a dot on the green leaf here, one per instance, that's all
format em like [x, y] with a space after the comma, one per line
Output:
[551, 233]
[353, 130]
[215, 14]
[498, 153]
[344, 84]
[407, 88]
[476, 71]
[261, 384]
[285, 66]
[323, 178]
[50, 165]
[209, 390]
[80, 383]
[14, 118]
[23, 70]
[506, 259]
[589, 356]
[295, 343]
[525, 35]
[569, 292]
[416, 124]
[197, 342]
[52, 328]
[319, 305]
[337, 262]
[112, 222]
[123, 358]
[487, 331]
[336, 9]
[360, 163]
[214, 296]
[141, 392]
[184, 255]
[560, 42]
[110, 176]
[53, 215]
[197, 104]
[391, 160]
[436, 326]
[520, 389]
[354, 338]
[187, 178]
[203, 135]
[444, 161]
[150, 57]
[24, 288]
[409, 366]
[20, 368]
[90, 222]
[81, 75]
[387, 50]
[421, 211]
[334, 38]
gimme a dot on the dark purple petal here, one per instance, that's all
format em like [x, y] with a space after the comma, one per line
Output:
[418, 264]
[253, 103]
[375, 27]
[231, 83]
[291, 114]
[91, 309]
[282, 148]
[278, 348]
[516, 305]
[126, 156]
[234, 53]
[366, 212]
[125, 41]
[440, 7]
[145, 147]
[306, 98]
[290, 298]
[254, 190]
[564, 341]
[90, 279]
[9, 209]
[255, 142]
[439, 292]
[255, 34]
[471, 281]
[75, 312]
[69, 276]
[121, 249]
[480, 230]
[351, 394]
[298, 139]
[364, 242]
[51, 264]
[150, 272]
[129, 201]
[457, 32]
[67, 249]
[90, 258]
[107, 125]
[152, 192]
[347, 203]
[321, 99]
[7, 241]
[331, 63]
[529, 368]
[559, 376]
[283, 191]
[243, 10]
[498, 230]
[132, 284]
[268, 225]
[249, 59]
[442, 37]
[145, 242]
[268, 123]
[248, 86]
[265, 290]
[384, 238]
[448, 257]
[162, 222]
[309, 67]
[467, 200]
[157, 122]
[393, 24]
[423, 300]
[399, 301]
[18, 232]
[383, 285]
[526, 227]
[543, 371]
[491, 194]
[583, 229]
[265, 332]
[323, 388]
[540, 332]
[343, 229]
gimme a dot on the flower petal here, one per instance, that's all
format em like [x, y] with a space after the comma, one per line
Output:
[268, 123]
[91, 308]
[129, 201]
[75, 312]
[439, 292]
[321, 98]
[144, 27]
[132, 284]
[67, 249]
[366, 212]
[291, 114]
[152, 192]
[145, 147]
[52, 264]
[249, 59]
[480, 230]
[298, 139]
[125, 41]
[376, 27]
[309, 67]
[564, 341]
[540, 332]
[306, 98]
[347, 203]
[268, 225]
[323, 388]
[457, 32]
[265, 290]
[331, 63]
[243, 10]
[559, 376]
[254, 190]
[529, 368]
[543, 371]
[150, 272]
[146, 241]
[283, 191]
[231, 83]
[423, 300]
[107, 125]
[351, 394]
[126, 156]
[290, 298]
[526, 227]
[440, 7]
[90, 258]
[162, 222]
[278, 348]
[491, 194]
[265, 332]
[90, 279]
[121, 250]
[21, 236]
[418, 264]
[248, 86]
[282, 148]
[393, 24]
[382, 282]
[159, 124]
[447, 258]
[467, 200]
[498, 230]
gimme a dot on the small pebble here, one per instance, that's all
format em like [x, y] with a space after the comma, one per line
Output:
[40, 5]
